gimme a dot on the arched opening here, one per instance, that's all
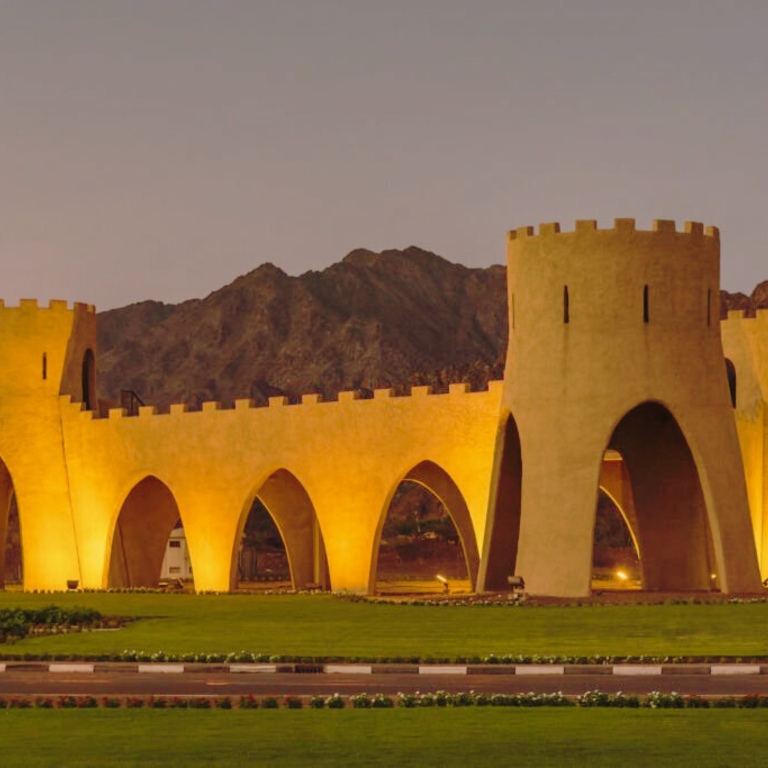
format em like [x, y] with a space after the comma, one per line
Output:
[616, 560]
[662, 501]
[11, 552]
[140, 540]
[279, 542]
[426, 532]
[730, 370]
[503, 528]
[89, 380]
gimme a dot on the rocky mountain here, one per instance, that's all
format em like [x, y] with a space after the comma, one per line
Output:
[374, 319]
[394, 318]
[758, 299]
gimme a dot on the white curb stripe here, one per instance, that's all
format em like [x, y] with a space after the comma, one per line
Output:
[162, 668]
[432, 669]
[540, 669]
[636, 669]
[735, 669]
[70, 667]
[348, 669]
[271, 668]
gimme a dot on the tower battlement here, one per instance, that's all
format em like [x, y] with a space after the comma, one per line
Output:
[623, 279]
[582, 226]
[54, 305]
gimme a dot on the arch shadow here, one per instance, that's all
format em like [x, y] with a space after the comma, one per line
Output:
[730, 372]
[672, 531]
[503, 528]
[143, 524]
[435, 479]
[293, 513]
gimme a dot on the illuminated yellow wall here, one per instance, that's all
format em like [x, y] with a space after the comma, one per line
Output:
[745, 344]
[327, 471]
[73, 472]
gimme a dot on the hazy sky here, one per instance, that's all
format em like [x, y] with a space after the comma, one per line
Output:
[159, 148]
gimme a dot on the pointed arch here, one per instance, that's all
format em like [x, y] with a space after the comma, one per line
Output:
[672, 526]
[142, 526]
[289, 505]
[435, 479]
[9, 519]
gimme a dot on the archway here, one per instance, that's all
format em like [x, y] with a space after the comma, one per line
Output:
[141, 537]
[11, 551]
[503, 530]
[616, 562]
[615, 559]
[279, 538]
[670, 527]
[426, 532]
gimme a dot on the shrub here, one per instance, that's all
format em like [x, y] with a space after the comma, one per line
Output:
[360, 701]
[270, 702]
[249, 702]
[334, 702]
[293, 702]
[406, 700]
[463, 699]
[317, 702]
[223, 702]
[380, 701]
[110, 703]
[658, 700]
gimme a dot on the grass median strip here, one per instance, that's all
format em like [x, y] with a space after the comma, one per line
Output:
[321, 625]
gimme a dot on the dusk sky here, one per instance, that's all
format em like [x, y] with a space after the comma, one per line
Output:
[159, 148]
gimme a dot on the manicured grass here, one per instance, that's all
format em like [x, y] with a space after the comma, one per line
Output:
[384, 737]
[323, 625]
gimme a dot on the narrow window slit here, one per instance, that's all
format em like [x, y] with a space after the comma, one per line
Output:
[646, 315]
[566, 306]
[45, 366]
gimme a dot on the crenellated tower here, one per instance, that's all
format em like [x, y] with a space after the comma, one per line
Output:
[614, 345]
[48, 354]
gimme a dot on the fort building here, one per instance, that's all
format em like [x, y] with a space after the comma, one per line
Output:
[615, 379]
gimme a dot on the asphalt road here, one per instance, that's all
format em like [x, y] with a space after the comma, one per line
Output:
[265, 684]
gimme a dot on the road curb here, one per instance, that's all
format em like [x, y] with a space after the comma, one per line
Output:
[163, 668]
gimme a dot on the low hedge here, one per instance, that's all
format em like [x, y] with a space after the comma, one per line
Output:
[438, 699]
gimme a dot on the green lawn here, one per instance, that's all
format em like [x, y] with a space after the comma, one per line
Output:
[323, 625]
[386, 737]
